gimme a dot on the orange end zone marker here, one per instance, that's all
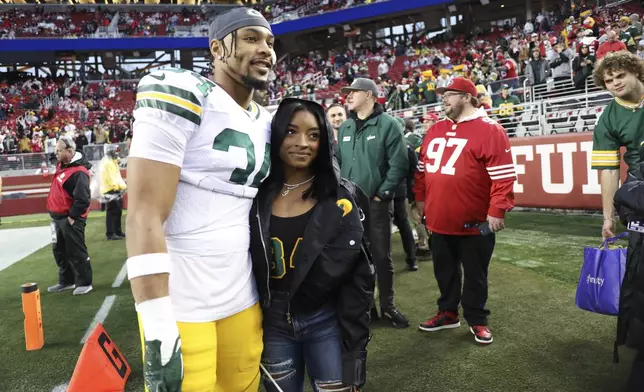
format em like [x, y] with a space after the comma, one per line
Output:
[101, 366]
[34, 334]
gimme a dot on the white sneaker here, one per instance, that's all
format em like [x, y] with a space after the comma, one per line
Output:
[81, 290]
[57, 288]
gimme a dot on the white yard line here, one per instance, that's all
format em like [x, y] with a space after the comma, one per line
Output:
[16, 244]
[120, 277]
[61, 388]
[100, 316]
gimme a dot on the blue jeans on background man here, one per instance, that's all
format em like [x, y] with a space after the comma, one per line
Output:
[310, 344]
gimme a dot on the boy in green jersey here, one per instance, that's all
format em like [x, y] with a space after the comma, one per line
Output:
[621, 124]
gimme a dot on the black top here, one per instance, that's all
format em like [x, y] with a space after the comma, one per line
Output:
[286, 234]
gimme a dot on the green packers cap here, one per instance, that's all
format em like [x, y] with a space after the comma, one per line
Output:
[235, 19]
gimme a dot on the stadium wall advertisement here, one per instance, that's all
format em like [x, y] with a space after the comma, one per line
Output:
[553, 172]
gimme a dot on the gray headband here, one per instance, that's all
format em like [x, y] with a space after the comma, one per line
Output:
[235, 19]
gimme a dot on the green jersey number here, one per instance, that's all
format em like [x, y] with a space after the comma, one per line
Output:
[206, 85]
[278, 266]
[231, 138]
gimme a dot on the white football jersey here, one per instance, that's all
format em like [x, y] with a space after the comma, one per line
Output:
[223, 150]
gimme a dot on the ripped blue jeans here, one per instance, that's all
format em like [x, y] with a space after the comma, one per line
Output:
[311, 342]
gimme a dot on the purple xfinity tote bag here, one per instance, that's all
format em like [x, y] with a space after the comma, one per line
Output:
[601, 277]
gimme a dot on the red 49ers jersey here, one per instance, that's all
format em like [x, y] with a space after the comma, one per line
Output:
[511, 69]
[465, 173]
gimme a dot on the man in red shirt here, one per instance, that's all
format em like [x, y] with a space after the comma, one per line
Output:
[463, 187]
[68, 204]
[613, 44]
[508, 69]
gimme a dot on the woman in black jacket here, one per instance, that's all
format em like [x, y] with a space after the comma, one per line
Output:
[313, 270]
[582, 66]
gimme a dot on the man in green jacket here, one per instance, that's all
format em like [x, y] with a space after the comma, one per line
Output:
[372, 153]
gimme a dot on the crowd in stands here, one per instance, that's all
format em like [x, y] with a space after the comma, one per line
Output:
[558, 45]
[35, 112]
[276, 11]
[19, 23]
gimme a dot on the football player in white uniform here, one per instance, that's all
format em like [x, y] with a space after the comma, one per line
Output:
[199, 152]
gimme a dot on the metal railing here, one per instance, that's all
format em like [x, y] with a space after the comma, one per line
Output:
[197, 30]
[517, 85]
[576, 113]
[611, 3]
[554, 89]
[525, 119]
[315, 79]
[33, 161]
[37, 162]
[96, 152]
[521, 120]
[551, 89]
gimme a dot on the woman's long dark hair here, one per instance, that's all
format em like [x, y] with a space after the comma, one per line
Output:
[325, 182]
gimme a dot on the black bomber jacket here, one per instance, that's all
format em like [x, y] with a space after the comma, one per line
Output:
[333, 263]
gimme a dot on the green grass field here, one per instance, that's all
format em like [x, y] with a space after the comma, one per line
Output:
[542, 341]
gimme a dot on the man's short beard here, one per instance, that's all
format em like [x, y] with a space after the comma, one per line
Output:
[254, 83]
[454, 113]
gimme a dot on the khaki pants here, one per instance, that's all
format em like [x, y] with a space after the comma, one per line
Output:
[421, 230]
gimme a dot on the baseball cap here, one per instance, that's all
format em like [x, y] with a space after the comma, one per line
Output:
[461, 85]
[362, 84]
[235, 19]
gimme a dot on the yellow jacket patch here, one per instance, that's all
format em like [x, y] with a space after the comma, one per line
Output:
[345, 205]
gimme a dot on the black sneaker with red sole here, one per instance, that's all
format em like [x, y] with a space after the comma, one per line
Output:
[443, 320]
[482, 334]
